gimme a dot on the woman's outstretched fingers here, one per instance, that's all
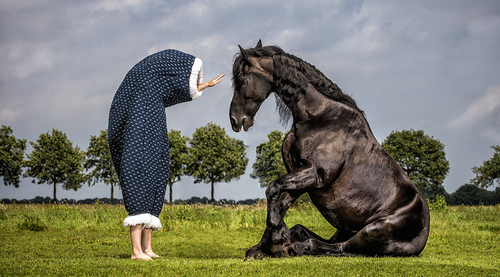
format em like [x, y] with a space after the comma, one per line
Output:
[210, 83]
[217, 80]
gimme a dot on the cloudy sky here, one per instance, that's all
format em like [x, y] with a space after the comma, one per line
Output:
[429, 65]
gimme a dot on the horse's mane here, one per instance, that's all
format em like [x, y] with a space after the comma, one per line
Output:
[292, 76]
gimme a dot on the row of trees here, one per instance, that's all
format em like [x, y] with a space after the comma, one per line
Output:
[212, 157]
[421, 156]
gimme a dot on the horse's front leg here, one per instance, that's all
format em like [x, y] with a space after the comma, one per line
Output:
[276, 235]
[281, 194]
[283, 191]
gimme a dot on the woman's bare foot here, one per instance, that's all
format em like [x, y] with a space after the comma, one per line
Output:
[151, 254]
[146, 243]
[141, 256]
[135, 236]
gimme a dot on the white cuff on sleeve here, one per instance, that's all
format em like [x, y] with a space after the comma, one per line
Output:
[196, 78]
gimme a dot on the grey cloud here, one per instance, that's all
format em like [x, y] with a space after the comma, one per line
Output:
[409, 65]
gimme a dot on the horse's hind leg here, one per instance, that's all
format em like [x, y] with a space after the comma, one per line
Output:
[341, 236]
[306, 242]
[301, 233]
[394, 236]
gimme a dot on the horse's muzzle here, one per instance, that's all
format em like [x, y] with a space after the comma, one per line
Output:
[246, 123]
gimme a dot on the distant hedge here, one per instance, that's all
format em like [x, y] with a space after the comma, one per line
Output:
[192, 200]
[468, 195]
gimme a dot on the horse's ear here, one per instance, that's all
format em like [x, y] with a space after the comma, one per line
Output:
[259, 44]
[243, 53]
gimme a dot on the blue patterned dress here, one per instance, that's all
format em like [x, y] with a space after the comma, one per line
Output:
[137, 130]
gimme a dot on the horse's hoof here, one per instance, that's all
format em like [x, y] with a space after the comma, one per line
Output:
[253, 254]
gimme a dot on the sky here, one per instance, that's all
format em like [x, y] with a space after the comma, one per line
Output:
[424, 65]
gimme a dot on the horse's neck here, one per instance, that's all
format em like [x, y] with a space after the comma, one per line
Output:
[317, 107]
[314, 105]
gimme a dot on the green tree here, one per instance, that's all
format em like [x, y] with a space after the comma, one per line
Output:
[178, 151]
[489, 172]
[433, 193]
[54, 161]
[213, 156]
[11, 157]
[473, 195]
[269, 164]
[421, 156]
[98, 162]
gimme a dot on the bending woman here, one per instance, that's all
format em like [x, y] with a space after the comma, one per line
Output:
[138, 136]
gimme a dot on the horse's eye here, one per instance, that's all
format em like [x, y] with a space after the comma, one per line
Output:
[242, 80]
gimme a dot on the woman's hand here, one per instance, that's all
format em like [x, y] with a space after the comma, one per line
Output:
[211, 83]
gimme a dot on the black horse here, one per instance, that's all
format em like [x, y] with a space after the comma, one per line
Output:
[331, 154]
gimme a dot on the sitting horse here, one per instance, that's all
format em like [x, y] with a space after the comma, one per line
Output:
[331, 154]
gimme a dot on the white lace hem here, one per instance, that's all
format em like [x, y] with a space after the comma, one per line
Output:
[147, 221]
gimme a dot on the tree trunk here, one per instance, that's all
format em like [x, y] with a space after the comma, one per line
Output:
[170, 194]
[213, 199]
[111, 194]
[55, 199]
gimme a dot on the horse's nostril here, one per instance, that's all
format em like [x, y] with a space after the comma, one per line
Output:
[233, 121]
[234, 124]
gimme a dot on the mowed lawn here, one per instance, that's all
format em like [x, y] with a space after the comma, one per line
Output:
[203, 240]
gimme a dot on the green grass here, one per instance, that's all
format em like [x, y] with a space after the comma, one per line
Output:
[66, 240]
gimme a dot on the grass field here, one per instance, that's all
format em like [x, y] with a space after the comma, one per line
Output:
[73, 240]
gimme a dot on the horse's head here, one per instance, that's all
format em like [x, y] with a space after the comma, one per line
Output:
[252, 83]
